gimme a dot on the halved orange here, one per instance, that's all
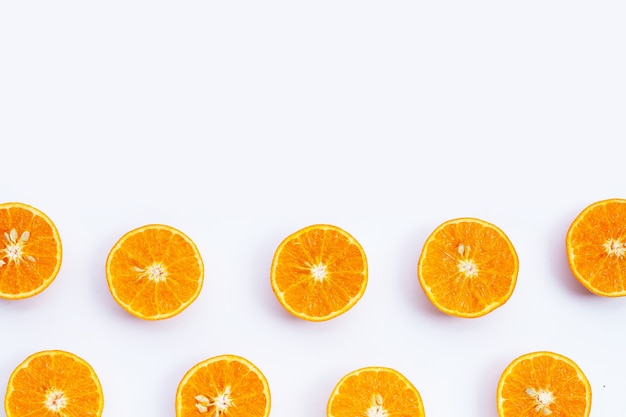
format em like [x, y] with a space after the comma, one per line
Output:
[319, 272]
[596, 247]
[541, 384]
[223, 386]
[468, 267]
[376, 392]
[30, 258]
[154, 272]
[53, 383]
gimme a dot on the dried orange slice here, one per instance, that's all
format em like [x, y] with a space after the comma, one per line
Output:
[53, 383]
[374, 391]
[468, 267]
[319, 272]
[30, 257]
[154, 272]
[541, 384]
[225, 385]
[596, 247]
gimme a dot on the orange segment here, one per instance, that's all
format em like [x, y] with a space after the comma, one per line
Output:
[543, 383]
[319, 272]
[596, 247]
[374, 391]
[30, 252]
[226, 385]
[468, 267]
[154, 272]
[53, 383]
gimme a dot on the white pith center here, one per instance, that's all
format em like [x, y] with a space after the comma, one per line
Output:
[468, 268]
[14, 251]
[155, 272]
[376, 408]
[615, 247]
[318, 272]
[216, 405]
[14, 248]
[543, 399]
[466, 265]
[55, 400]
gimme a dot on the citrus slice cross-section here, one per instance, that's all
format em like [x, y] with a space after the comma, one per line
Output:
[377, 392]
[53, 383]
[596, 247]
[154, 272]
[30, 252]
[468, 267]
[223, 386]
[319, 272]
[543, 383]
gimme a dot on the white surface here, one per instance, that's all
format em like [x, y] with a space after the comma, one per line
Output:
[240, 122]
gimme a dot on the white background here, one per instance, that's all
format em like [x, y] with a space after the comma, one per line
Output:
[241, 122]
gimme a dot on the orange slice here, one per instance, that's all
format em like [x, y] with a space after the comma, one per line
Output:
[30, 256]
[226, 385]
[375, 391]
[541, 384]
[596, 247]
[154, 272]
[319, 272]
[468, 267]
[53, 383]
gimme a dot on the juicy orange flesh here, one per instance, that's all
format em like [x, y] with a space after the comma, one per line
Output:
[359, 392]
[247, 391]
[42, 245]
[31, 384]
[602, 271]
[547, 373]
[144, 249]
[344, 280]
[487, 249]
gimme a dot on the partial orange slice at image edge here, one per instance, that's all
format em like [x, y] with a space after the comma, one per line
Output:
[30, 253]
[225, 385]
[53, 383]
[319, 272]
[541, 384]
[154, 272]
[468, 267]
[375, 391]
[596, 247]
